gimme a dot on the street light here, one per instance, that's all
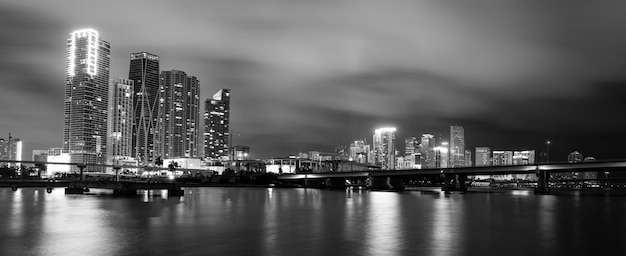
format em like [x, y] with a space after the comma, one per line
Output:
[548, 150]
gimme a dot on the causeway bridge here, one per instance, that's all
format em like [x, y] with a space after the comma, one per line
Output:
[454, 179]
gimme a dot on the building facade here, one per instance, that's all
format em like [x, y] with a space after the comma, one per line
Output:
[86, 97]
[120, 120]
[427, 148]
[483, 156]
[216, 126]
[359, 151]
[11, 149]
[144, 72]
[502, 158]
[457, 146]
[178, 116]
[385, 148]
[411, 146]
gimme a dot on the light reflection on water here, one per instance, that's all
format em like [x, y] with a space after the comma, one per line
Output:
[271, 221]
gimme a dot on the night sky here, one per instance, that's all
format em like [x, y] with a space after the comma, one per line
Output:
[310, 75]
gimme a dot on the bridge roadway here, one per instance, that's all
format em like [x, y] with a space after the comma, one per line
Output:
[454, 178]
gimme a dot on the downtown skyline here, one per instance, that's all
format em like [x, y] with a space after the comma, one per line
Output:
[291, 94]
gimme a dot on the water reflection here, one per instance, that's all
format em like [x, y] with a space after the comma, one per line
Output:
[382, 224]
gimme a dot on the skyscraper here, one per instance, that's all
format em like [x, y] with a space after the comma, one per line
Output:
[86, 97]
[427, 148]
[216, 125]
[144, 72]
[457, 146]
[178, 115]
[411, 146]
[385, 148]
[483, 156]
[120, 120]
[359, 151]
[11, 149]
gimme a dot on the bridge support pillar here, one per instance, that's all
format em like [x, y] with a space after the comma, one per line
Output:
[453, 182]
[543, 179]
[175, 190]
[385, 183]
[335, 183]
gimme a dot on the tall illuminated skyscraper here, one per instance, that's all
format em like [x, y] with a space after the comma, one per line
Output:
[427, 148]
[120, 120]
[86, 97]
[144, 72]
[457, 146]
[385, 147]
[178, 118]
[411, 146]
[216, 126]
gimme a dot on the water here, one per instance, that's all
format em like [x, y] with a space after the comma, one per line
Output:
[265, 221]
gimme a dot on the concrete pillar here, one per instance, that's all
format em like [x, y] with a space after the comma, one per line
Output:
[82, 168]
[117, 173]
[543, 179]
[385, 183]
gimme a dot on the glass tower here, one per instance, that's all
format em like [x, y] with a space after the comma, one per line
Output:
[144, 72]
[216, 126]
[120, 119]
[457, 146]
[86, 98]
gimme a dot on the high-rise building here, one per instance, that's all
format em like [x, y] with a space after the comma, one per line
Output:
[523, 157]
[468, 158]
[442, 158]
[216, 125]
[411, 146]
[11, 149]
[575, 157]
[359, 151]
[457, 146]
[427, 148]
[502, 157]
[120, 120]
[178, 116]
[86, 97]
[483, 156]
[144, 72]
[385, 148]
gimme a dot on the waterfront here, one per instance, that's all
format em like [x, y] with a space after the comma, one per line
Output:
[271, 221]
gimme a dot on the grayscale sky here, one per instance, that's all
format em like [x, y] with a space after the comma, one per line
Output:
[311, 74]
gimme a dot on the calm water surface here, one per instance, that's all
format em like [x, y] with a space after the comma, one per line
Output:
[262, 221]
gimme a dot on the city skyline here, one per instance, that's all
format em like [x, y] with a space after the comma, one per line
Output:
[314, 84]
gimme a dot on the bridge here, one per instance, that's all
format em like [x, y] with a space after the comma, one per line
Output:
[119, 187]
[452, 179]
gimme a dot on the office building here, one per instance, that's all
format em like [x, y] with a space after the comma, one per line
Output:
[144, 72]
[442, 158]
[216, 126]
[120, 120]
[502, 157]
[86, 98]
[427, 148]
[359, 151]
[483, 156]
[178, 116]
[11, 149]
[524, 157]
[468, 158]
[457, 146]
[411, 146]
[384, 148]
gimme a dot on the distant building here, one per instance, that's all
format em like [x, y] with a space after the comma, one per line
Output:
[359, 151]
[40, 155]
[575, 157]
[442, 158]
[144, 72]
[411, 146]
[502, 158]
[216, 125]
[178, 116]
[57, 155]
[468, 158]
[241, 152]
[427, 148]
[385, 148]
[457, 146]
[86, 98]
[342, 153]
[120, 120]
[483, 156]
[11, 149]
[524, 157]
